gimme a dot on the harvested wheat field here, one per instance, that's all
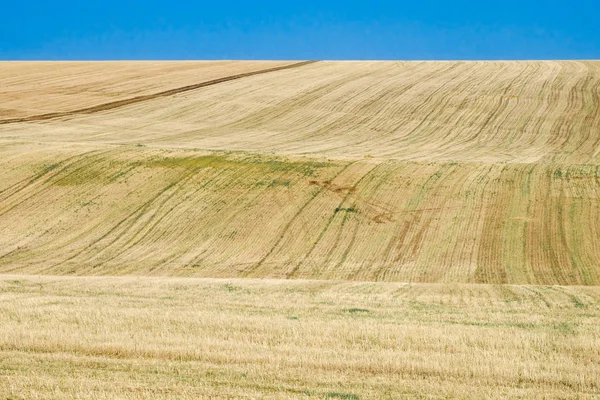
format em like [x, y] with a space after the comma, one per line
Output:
[426, 172]
[458, 203]
[105, 338]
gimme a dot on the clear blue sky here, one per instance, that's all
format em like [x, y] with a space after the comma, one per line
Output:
[309, 29]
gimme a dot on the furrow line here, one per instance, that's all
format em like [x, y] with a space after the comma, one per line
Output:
[138, 99]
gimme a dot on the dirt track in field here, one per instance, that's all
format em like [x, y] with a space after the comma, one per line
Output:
[138, 99]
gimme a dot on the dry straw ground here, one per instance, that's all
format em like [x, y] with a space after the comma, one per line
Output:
[455, 176]
[131, 338]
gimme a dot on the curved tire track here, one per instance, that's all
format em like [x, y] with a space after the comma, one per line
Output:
[139, 99]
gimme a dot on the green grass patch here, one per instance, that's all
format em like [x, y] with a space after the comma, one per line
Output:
[45, 169]
[357, 310]
[344, 396]
[307, 168]
[274, 183]
[348, 210]
[564, 328]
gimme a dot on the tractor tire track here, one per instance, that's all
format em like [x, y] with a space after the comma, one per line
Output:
[328, 224]
[287, 226]
[139, 99]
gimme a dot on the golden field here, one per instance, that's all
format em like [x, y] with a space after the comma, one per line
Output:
[474, 172]
[187, 338]
[337, 230]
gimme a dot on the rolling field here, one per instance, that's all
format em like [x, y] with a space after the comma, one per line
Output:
[482, 172]
[333, 230]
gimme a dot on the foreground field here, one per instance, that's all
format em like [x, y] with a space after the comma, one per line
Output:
[207, 338]
[473, 172]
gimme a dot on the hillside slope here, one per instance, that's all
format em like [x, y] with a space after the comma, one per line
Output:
[30, 89]
[388, 171]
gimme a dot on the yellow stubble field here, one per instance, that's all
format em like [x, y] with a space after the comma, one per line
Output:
[189, 338]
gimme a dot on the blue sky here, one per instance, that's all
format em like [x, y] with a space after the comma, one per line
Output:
[306, 29]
